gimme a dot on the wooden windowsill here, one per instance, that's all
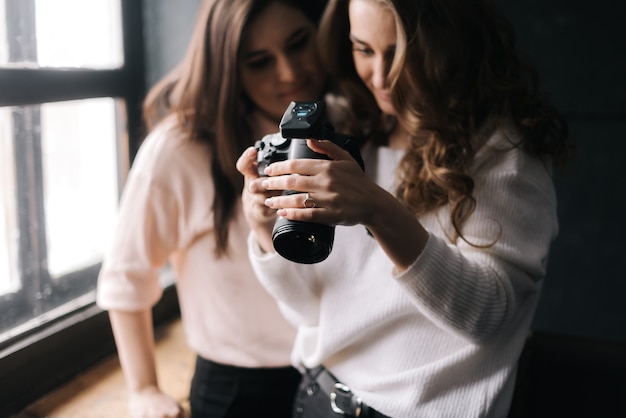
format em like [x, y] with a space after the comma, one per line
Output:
[101, 391]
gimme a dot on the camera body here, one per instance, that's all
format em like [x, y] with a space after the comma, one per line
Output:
[302, 242]
[300, 121]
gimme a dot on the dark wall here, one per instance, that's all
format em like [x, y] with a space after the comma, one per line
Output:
[168, 26]
[579, 51]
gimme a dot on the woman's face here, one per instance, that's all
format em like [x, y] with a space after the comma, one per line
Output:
[278, 60]
[373, 36]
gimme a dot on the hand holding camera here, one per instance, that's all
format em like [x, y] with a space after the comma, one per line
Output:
[302, 242]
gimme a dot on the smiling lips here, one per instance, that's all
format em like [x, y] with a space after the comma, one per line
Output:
[384, 96]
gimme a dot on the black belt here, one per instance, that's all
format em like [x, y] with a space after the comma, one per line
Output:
[342, 400]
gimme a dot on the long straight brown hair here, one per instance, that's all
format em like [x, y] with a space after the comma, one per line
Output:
[205, 95]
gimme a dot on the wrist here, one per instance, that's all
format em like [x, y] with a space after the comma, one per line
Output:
[384, 204]
[397, 230]
[263, 237]
[144, 389]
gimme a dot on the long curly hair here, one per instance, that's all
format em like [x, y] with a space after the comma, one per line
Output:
[206, 96]
[455, 75]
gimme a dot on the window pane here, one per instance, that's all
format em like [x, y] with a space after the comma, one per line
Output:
[61, 33]
[78, 141]
[9, 231]
[4, 46]
[60, 176]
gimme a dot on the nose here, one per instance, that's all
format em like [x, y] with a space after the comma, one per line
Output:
[287, 69]
[379, 73]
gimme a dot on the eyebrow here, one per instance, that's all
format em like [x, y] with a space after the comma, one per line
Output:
[262, 52]
[390, 48]
[357, 40]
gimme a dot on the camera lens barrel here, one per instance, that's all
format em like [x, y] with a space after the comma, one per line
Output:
[303, 242]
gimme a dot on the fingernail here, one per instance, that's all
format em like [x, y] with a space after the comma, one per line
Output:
[268, 170]
[265, 184]
[281, 212]
[268, 202]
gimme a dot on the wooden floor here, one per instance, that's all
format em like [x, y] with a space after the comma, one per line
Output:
[101, 391]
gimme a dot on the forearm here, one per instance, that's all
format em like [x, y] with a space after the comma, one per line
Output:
[262, 233]
[134, 338]
[289, 283]
[396, 230]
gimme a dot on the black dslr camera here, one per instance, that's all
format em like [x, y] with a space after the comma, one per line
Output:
[302, 242]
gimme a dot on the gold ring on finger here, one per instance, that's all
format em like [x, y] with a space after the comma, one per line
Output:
[308, 202]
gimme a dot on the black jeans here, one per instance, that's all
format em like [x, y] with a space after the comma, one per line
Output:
[223, 391]
[313, 401]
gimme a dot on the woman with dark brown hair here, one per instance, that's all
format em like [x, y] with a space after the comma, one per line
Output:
[424, 312]
[247, 60]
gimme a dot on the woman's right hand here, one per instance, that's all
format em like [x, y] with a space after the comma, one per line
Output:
[260, 218]
[150, 402]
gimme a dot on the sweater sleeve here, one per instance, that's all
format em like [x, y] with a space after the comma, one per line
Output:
[289, 283]
[145, 235]
[476, 286]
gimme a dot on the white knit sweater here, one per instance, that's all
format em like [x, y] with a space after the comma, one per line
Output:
[441, 339]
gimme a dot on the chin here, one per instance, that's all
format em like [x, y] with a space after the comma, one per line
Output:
[306, 96]
[386, 108]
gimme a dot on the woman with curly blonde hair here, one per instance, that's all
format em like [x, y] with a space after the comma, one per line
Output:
[424, 312]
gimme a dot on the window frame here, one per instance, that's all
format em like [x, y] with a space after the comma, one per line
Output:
[37, 362]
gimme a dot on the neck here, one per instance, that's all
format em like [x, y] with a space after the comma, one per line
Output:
[262, 124]
[399, 138]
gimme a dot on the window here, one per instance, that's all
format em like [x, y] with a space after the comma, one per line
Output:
[71, 85]
[59, 203]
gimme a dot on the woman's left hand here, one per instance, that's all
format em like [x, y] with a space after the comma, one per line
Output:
[344, 195]
[338, 191]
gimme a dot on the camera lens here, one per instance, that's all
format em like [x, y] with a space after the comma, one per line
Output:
[303, 242]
